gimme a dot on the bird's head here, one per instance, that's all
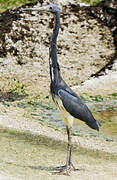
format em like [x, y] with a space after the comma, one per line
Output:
[52, 8]
[49, 8]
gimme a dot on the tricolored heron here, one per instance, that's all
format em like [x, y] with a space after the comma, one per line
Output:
[70, 105]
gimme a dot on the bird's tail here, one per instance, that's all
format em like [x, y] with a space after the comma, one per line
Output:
[94, 125]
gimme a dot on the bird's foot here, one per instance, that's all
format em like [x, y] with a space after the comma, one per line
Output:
[66, 169]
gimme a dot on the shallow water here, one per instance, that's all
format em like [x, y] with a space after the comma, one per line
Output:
[105, 112]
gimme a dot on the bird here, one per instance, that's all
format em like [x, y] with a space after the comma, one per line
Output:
[68, 102]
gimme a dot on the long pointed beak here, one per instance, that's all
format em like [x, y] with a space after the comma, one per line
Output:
[45, 8]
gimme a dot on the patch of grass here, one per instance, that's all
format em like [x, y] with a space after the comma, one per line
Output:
[32, 104]
[97, 98]
[11, 84]
[83, 98]
[109, 140]
[14, 92]
[114, 94]
[9, 4]
[37, 97]
[16, 87]
[6, 104]
[91, 2]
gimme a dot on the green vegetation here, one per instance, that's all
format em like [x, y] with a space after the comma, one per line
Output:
[92, 2]
[114, 94]
[97, 98]
[9, 4]
[87, 98]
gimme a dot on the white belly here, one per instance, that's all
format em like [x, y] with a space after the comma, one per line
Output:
[68, 119]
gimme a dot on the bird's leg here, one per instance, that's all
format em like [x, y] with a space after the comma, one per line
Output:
[68, 162]
[68, 166]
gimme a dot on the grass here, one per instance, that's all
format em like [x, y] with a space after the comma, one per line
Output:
[98, 98]
[113, 95]
[91, 2]
[9, 4]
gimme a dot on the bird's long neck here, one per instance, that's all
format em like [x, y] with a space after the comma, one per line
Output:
[54, 66]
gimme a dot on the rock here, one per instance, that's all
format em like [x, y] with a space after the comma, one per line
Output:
[85, 44]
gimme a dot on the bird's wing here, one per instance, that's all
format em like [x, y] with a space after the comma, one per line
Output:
[75, 106]
[65, 87]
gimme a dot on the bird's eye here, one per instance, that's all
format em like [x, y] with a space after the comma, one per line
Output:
[50, 8]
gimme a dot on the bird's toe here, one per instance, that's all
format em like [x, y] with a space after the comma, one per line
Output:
[66, 169]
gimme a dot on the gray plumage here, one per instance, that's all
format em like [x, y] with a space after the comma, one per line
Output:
[58, 87]
[75, 106]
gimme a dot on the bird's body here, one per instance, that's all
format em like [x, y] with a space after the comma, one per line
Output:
[64, 97]
[68, 102]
